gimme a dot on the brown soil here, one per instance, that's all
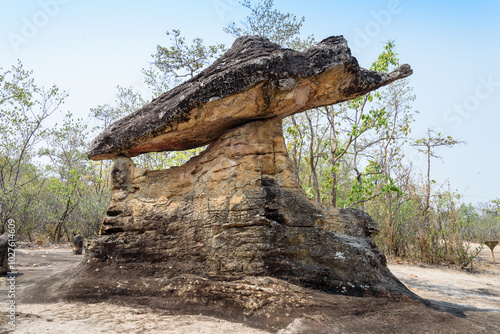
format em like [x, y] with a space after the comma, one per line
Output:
[470, 302]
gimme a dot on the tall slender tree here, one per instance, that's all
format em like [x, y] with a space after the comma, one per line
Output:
[24, 109]
[427, 145]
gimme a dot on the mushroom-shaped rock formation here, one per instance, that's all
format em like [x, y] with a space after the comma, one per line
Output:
[232, 228]
[255, 79]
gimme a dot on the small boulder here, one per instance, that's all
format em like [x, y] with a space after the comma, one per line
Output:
[4, 252]
[77, 245]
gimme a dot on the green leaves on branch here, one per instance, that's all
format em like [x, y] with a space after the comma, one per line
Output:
[433, 140]
[181, 61]
[374, 184]
[126, 102]
[387, 60]
[266, 21]
[354, 147]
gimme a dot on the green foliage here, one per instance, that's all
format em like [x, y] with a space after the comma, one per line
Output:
[24, 107]
[427, 144]
[266, 21]
[53, 198]
[180, 60]
[126, 102]
[387, 59]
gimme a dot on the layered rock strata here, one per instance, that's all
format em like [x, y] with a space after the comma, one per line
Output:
[236, 210]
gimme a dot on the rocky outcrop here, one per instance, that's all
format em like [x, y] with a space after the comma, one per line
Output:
[255, 79]
[232, 228]
[234, 211]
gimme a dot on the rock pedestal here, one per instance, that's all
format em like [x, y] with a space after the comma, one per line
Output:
[231, 233]
[236, 210]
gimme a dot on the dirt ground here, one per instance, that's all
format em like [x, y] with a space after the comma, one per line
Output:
[475, 293]
[63, 318]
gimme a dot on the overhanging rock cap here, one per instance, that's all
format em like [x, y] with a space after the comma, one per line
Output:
[255, 79]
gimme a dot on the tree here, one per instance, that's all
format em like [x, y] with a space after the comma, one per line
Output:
[295, 138]
[66, 149]
[427, 145]
[366, 135]
[354, 124]
[265, 21]
[181, 61]
[317, 134]
[126, 102]
[24, 108]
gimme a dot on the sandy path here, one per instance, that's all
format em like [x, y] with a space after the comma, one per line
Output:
[108, 318]
[478, 291]
[474, 292]
[94, 318]
[477, 295]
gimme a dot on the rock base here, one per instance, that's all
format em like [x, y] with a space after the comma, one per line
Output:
[261, 302]
[236, 211]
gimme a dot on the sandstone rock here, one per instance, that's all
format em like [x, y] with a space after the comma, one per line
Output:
[231, 233]
[234, 211]
[4, 246]
[255, 79]
[77, 244]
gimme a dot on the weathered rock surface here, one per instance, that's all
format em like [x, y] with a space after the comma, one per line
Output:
[231, 231]
[77, 244]
[237, 210]
[262, 302]
[4, 247]
[255, 79]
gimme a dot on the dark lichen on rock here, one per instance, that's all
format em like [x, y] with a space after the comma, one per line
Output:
[255, 79]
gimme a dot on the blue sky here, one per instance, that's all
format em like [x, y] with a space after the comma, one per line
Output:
[89, 47]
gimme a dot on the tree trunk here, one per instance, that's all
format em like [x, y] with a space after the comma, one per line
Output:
[333, 143]
[359, 179]
[333, 176]
[428, 185]
[312, 161]
[295, 153]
